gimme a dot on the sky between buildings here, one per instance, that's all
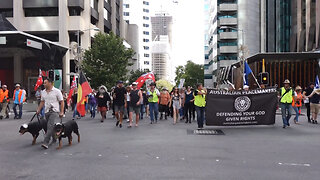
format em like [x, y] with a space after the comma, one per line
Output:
[188, 29]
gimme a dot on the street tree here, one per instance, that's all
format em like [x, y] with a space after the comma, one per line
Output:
[191, 72]
[162, 83]
[107, 60]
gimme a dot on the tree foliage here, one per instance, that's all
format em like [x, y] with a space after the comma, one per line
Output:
[106, 61]
[164, 83]
[191, 72]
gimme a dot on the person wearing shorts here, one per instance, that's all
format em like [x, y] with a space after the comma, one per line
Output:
[135, 103]
[176, 104]
[102, 98]
[119, 100]
[314, 104]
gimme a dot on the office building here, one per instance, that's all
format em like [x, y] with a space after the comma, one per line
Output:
[59, 22]
[138, 12]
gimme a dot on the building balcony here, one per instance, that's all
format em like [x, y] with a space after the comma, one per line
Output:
[227, 21]
[40, 4]
[227, 35]
[228, 49]
[227, 7]
[76, 4]
[107, 24]
[94, 14]
[107, 6]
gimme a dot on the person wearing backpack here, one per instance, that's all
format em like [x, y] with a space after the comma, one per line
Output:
[287, 95]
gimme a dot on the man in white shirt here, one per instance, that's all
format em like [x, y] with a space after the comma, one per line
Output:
[50, 99]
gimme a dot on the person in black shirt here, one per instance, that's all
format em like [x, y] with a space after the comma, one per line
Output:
[307, 92]
[119, 101]
[103, 98]
[135, 103]
[314, 98]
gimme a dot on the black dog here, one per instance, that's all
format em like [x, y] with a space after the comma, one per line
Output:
[65, 130]
[34, 128]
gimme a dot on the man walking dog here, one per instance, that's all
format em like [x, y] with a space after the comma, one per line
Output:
[50, 99]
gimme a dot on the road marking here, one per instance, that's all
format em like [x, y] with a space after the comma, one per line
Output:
[294, 164]
[99, 155]
[217, 160]
[157, 158]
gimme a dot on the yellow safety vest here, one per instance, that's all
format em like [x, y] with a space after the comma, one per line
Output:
[287, 98]
[200, 100]
[154, 98]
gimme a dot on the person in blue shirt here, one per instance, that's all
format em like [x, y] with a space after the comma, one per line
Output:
[18, 98]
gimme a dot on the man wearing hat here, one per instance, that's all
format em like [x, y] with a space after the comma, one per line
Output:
[119, 101]
[18, 97]
[286, 95]
[153, 98]
[4, 100]
[135, 103]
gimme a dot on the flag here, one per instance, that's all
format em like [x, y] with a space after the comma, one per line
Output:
[246, 73]
[143, 78]
[317, 83]
[39, 81]
[73, 86]
[84, 89]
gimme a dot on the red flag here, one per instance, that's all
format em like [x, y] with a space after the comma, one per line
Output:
[73, 85]
[84, 90]
[39, 81]
[143, 78]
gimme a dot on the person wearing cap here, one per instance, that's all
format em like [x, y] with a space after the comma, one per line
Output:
[246, 88]
[315, 104]
[153, 98]
[120, 102]
[306, 100]
[296, 105]
[4, 100]
[135, 103]
[18, 97]
[53, 103]
[287, 95]
[163, 103]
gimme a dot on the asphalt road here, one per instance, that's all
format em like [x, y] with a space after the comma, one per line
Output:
[164, 151]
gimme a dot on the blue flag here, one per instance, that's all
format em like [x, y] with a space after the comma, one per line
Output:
[246, 73]
[317, 84]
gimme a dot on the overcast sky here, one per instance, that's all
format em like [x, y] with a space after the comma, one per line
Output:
[188, 29]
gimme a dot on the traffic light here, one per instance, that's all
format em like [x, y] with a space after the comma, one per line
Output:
[264, 78]
[51, 75]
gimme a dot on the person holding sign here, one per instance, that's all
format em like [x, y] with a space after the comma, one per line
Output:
[200, 104]
[287, 94]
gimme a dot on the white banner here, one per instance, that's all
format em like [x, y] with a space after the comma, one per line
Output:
[34, 44]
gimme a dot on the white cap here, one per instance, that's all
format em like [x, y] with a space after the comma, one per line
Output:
[245, 87]
[17, 85]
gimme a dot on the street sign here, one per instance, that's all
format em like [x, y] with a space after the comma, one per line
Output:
[34, 44]
[3, 40]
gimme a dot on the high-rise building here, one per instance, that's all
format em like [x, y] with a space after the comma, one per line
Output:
[138, 12]
[59, 21]
[233, 25]
[162, 44]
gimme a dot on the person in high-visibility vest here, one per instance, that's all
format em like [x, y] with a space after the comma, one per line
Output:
[18, 98]
[200, 104]
[4, 100]
[286, 96]
[153, 98]
[296, 104]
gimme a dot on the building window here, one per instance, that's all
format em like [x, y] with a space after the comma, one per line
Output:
[33, 12]
[146, 10]
[146, 62]
[7, 12]
[146, 32]
[146, 70]
[74, 11]
[145, 25]
[146, 18]
[126, 13]
[146, 47]
[146, 55]
[145, 40]
[126, 5]
[145, 3]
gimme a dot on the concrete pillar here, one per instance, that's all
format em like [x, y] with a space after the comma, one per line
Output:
[64, 40]
[17, 68]
[101, 15]
[18, 14]
[86, 16]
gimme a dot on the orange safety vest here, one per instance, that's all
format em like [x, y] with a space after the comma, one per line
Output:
[298, 102]
[3, 95]
[19, 95]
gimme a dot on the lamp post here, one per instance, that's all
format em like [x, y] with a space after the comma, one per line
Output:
[79, 47]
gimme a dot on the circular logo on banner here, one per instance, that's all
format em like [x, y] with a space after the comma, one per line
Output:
[242, 103]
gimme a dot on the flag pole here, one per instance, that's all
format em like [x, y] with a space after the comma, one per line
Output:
[255, 79]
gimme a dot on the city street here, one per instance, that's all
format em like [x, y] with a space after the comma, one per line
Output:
[163, 151]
